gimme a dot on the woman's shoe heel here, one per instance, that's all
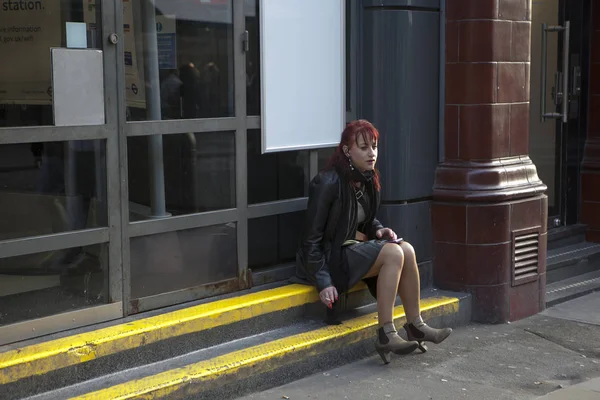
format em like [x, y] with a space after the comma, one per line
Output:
[425, 333]
[385, 355]
[392, 343]
[423, 347]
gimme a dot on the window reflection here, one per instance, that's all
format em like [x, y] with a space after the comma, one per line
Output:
[178, 59]
[274, 240]
[275, 176]
[52, 187]
[43, 284]
[199, 173]
[183, 259]
[25, 41]
[252, 58]
[323, 156]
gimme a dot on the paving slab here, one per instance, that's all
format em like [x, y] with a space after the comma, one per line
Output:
[583, 309]
[539, 356]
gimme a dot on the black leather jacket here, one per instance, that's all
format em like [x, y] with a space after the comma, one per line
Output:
[331, 218]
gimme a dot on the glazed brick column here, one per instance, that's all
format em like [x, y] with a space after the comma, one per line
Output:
[590, 171]
[487, 195]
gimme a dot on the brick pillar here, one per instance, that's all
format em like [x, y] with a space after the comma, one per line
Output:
[590, 171]
[487, 195]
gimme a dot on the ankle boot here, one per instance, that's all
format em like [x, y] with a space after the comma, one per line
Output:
[392, 343]
[425, 333]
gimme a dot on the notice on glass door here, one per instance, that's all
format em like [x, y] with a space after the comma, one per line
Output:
[28, 29]
[135, 94]
[166, 31]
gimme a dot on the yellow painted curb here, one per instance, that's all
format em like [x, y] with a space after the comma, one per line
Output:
[49, 356]
[261, 358]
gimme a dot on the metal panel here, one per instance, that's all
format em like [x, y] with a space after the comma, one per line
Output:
[314, 164]
[253, 122]
[400, 96]
[434, 4]
[153, 227]
[413, 223]
[277, 207]
[182, 296]
[60, 322]
[354, 9]
[78, 87]
[442, 83]
[241, 141]
[174, 126]
[53, 134]
[113, 172]
[276, 274]
[40, 244]
[121, 241]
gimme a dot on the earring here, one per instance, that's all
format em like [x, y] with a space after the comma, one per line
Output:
[350, 162]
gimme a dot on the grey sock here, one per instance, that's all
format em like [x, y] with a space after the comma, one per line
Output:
[418, 321]
[389, 327]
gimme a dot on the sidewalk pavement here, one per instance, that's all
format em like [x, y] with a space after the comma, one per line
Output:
[589, 390]
[553, 355]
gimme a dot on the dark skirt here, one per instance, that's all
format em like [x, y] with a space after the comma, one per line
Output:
[359, 258]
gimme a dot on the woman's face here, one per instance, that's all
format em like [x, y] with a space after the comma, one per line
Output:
[363, 153]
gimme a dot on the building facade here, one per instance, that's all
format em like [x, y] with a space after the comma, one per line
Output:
[155, 191]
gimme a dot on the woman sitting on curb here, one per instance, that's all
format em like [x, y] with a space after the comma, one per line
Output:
[344, 243]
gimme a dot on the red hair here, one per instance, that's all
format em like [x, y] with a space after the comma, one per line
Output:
[350, 134]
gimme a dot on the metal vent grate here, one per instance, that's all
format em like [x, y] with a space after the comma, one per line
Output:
[526, 257]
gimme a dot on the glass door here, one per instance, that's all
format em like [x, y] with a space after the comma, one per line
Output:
[59, 193]
[183, 119]
[556, 71]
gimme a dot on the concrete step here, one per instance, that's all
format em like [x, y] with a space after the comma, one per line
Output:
[568, 261]
[261, 361]
[61, 360]
[566, 236]
[51, 362]
[569, 289]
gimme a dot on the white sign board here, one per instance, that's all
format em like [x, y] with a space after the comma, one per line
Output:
[302, 73]
[78, 82]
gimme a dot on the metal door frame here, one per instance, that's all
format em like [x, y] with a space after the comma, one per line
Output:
[119, 231]
[107, 235]
[562, 215]
[240, 123]
[569, 147]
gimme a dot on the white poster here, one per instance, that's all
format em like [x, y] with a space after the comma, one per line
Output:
[166, 30]
[135, 93]
[302, 73]
[28, 29]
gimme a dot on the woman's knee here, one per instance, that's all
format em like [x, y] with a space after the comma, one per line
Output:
[409, 251]
[393, 254]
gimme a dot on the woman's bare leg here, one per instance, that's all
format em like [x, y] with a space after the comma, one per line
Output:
[409, 288]
[388, 268]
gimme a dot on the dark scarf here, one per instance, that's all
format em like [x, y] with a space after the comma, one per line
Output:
[348, 221]
[363, 177]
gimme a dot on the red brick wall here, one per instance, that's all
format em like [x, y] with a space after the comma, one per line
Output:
[487, 188]
[487, 75]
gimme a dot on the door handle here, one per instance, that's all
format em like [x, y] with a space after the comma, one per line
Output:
[561, 90]
[557, 93]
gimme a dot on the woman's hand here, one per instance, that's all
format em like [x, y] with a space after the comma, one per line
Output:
[386, 232]
[328, 296]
